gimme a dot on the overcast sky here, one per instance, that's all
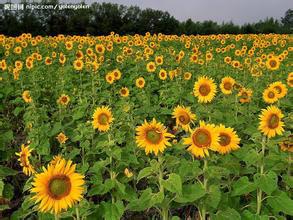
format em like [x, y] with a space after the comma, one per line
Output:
[238, 11]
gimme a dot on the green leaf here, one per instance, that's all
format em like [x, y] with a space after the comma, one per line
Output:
[190, 193]
[173, 183]
[247, 215]
[6, 171]
[143, 202]
[8, 191]
[113, 211]
[242, 186]
[1, 187]
[213, 197]
[17, 110]
[101, 189]
[281, 203]
[267, 182]
[226, 214]
[144, 173]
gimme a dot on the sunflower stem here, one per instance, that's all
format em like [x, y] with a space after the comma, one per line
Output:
[77, 213]
[165, 208]
[56, 217]
[205, 185]
[259, 191]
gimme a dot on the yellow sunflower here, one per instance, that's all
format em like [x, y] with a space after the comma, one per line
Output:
[205, 89]
[163, 74]
[270, 121]
[110, 78]
[62, 138]
[140, 82]
[24, 155]
[184, 117]
[202, 139]
[151, 67]
[227, 85]
[58, 187]
[273, 63]
[128, 173]
[270, 95]
[287, 144]
[102, 118]
[117, 74]
[78, 64]
[245, 95]
[153, 137]
[290, 80]
[228, 139]
[63, 100]
[187, 76]
[281, 89]
[26, 96]
[124, 92]
[159, 60]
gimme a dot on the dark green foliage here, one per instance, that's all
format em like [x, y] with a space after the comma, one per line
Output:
[102, 18]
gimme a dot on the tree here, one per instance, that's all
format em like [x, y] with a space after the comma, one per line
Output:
[287, 20]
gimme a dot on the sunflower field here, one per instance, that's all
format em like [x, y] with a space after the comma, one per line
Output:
[146, 127]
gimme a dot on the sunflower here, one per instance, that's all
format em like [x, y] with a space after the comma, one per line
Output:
[228, 139]
[270, 121]
[273, 63]
[57, 187]
[140, 82]
[159, 60]
[184, 117]
[102, 118]
[27, 96]
[290, 80]
[227, 85]
[187, 76]
[117, 74]
[280, 87]
[202, 139]
[124, 92]
[78, 64]
[63, 100]
[287, 145]
[205, 89]
[24, 155]
[153, 137]
[100, 48]
[128, 173]
[151, 67]
[270, 95]
[245, 95]
[163, 74]
[62, 138]
[110, 78]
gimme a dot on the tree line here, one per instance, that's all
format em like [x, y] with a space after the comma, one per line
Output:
[102, 18]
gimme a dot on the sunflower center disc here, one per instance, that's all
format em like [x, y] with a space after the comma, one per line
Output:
[103, 119]
[64, 99]
[202, 138]
[273, 121]
[271, 95]
[59, 186]
[184, 119]
[204, 90]
[224, 139]
[228, 86]
[273, 63]
[154, 136]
